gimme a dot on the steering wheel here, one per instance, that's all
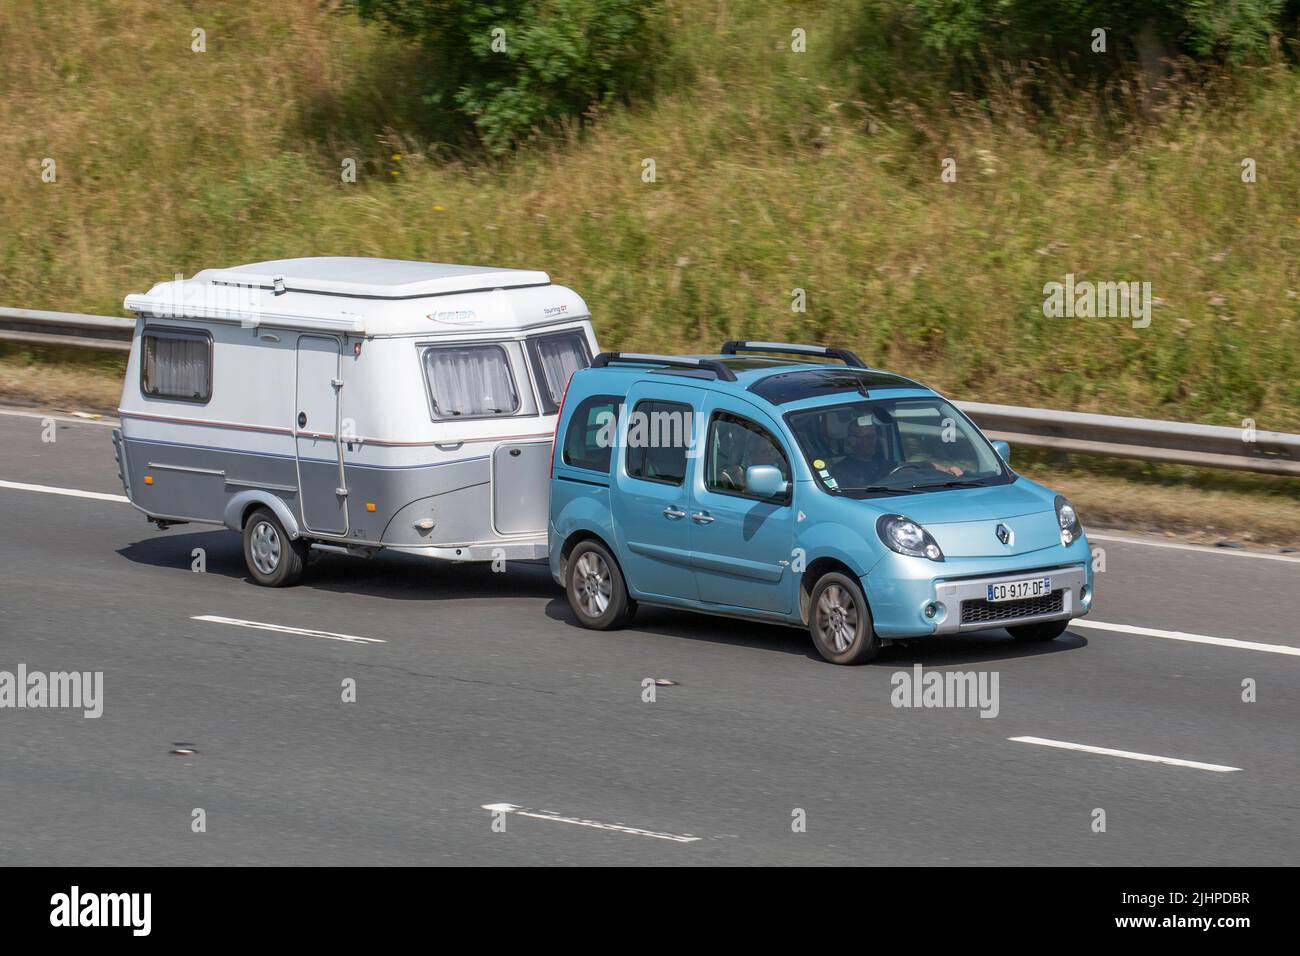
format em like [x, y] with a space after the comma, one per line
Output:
[915, 465]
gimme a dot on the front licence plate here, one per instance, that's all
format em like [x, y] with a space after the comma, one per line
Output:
[1019, 590]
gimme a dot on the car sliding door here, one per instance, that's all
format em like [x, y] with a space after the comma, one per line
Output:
[651, 496]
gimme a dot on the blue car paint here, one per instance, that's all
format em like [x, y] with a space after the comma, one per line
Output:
[750, 566]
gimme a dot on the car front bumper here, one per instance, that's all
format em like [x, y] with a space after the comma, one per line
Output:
[914, 597]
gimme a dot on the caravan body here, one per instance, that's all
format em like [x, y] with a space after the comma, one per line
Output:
[364, 403]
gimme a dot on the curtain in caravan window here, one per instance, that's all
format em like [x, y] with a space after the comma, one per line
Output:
[176, 365]
[560, 356]
[470, 381]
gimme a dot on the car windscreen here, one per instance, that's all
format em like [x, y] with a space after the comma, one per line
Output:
[882, 447]
[470, 381]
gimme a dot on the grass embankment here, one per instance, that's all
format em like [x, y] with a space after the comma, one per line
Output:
[770, 176]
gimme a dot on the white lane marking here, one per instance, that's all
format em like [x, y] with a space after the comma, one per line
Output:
[77, 418]
[594, 824]
[1128, 754]
[70, 492]
[284, 629]
[1191, 638]
[1200, 548]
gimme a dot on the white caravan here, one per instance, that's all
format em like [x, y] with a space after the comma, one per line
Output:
[351, 404]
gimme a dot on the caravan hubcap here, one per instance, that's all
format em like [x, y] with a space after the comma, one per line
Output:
[593, 583]
[265, 546]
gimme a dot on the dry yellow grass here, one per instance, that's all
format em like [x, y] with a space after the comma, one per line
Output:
[63, 383]
[768, 179]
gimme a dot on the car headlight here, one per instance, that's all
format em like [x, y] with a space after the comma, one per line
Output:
[1068, 520]
[900, 533]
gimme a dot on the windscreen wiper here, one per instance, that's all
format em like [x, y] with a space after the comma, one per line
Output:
[884, 489]
[955, 483]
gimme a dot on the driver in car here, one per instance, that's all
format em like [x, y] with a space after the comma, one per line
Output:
[864, 463]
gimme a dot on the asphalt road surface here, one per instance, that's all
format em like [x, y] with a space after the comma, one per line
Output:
[485, 693]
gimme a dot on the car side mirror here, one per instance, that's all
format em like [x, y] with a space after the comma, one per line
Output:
[1004, 451]
[765, 481]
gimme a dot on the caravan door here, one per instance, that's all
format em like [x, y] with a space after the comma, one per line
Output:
[322, 493]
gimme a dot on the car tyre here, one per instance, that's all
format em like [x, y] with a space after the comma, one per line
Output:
[840, 621]
[1044, 631]
[596, 589]
[274, 559]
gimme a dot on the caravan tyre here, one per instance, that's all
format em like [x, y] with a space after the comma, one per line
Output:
[274, 559]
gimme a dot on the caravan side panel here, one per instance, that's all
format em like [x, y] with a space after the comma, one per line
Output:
[185, 459]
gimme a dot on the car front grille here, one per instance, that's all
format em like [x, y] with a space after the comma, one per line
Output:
[980, 611]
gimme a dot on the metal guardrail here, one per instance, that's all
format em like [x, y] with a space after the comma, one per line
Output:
[1110, 436]
[104, 333]
[1114, 436]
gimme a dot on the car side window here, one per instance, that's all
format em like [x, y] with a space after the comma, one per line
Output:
[658, 435]
[592, 433]
[735, 444]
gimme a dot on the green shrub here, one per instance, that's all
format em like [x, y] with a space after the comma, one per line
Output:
[509, 67]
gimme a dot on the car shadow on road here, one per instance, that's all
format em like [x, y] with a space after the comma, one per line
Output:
[388, 574]
[977, 647]
[692, 626]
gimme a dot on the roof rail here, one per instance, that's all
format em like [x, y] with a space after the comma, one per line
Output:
[719, 369]
[844, 355]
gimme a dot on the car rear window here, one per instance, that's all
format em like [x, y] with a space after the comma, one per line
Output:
[592, 433]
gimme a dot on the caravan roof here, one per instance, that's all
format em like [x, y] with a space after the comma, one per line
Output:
[374, 278]
[364, 296]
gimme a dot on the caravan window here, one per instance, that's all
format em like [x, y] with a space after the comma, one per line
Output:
[555, 358]
[470, 381]
[176, 364]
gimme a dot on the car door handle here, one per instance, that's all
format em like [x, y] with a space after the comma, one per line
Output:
[671, 512]
[702, 517]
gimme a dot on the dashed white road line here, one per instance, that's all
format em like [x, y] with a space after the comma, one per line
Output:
[285, 629]
[594, 824]
[1127, 754]
[70, 492]
[1199, 548]
[1184, 636]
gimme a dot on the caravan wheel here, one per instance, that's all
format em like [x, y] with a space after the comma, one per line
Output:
[274, 560]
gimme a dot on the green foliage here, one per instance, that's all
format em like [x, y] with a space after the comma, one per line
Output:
[509, 67]
[1236, 31]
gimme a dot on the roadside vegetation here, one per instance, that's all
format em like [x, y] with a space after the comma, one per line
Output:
[773, 171]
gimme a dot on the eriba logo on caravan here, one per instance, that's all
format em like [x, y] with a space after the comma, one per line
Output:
[102, 909]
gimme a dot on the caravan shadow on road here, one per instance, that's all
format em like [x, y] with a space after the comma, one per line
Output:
[388, 574]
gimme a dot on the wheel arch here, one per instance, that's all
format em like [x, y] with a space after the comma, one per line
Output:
[240, 506]
[818, 568]
[576, 538]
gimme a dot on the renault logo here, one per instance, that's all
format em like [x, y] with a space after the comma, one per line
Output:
[1005, 534]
